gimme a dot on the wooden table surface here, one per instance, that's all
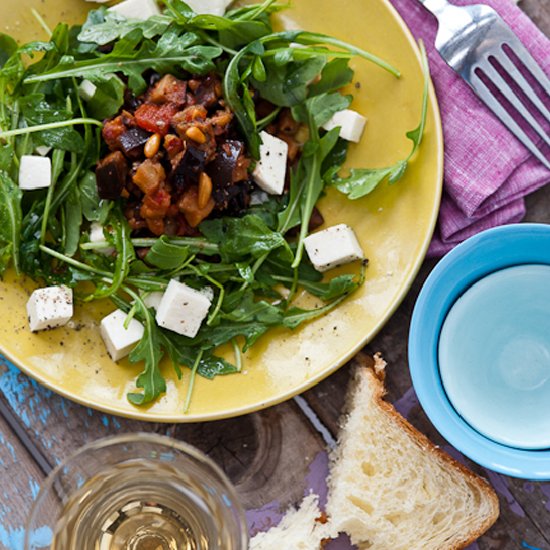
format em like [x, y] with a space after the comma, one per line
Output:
[273, 456]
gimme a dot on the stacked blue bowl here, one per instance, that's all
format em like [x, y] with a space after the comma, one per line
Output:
[479, 349]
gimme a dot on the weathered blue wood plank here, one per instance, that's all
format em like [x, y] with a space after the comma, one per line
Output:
[56, 425]
[20, 479]
[270, 455]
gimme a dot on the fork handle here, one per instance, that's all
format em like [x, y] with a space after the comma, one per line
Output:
[435, 6]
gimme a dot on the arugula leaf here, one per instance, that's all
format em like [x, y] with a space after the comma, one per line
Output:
[290, 216]
[363, 181]
[334, 160]
[417, 133]
[94, 209]
[239, 237]
[226, 331]
[335, 75]
[336, 287]
[148, 350]
[73, 222]
[103, 27]
[181, 353]
[37, 111]
[211, 366]
[132, 56]
[260, 11]
[179, 11]
[286, 81]
[287, 85]
[166, 255]
[313, 182]
[124, 256]
[295, 316]
[8, 46]
[250, 310]
[10, 222]
[108, 97]
[321, 108]
[269, 210]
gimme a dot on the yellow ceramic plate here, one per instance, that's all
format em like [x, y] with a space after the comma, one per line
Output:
[394, 226]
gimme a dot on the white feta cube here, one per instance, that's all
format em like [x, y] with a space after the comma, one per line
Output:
[50, 307]
[270, 170]
[332, 247]
[351, 124]
[182, 309]
[42, 150]
[87, 90]
[35, 172]
[136, 9]
[153, 299]
[118, 339]
[208, 292]
[97, 235]
[209, 7]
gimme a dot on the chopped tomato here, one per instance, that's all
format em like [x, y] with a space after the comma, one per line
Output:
[155, 118]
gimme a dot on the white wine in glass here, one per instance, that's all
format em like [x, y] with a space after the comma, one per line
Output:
[137, 492]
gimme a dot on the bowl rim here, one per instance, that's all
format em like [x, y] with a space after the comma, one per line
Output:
[489, 251]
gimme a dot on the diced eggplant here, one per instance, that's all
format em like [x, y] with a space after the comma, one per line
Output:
[223, 170]
[209, 91]
[169, 89]
[111, 175]
[187, 171]
[233, 199]
[132, 142]
[131, 102]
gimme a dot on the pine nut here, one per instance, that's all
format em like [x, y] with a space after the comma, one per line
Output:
[152, 146]
[195, 134]
[205, 190]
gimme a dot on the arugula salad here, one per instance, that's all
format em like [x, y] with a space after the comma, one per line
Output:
[171, 161]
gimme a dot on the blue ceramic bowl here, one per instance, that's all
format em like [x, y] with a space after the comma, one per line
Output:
[490, 251]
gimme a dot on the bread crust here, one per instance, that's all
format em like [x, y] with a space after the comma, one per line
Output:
[374, 368]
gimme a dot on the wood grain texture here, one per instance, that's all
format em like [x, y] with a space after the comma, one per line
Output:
[539, 12]
[57, 426]
[20, 478]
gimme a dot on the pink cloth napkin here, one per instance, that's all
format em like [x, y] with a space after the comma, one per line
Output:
[487, 170]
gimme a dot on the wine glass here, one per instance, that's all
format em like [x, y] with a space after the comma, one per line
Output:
[137, 492]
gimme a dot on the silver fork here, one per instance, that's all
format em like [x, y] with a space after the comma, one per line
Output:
[474, 41]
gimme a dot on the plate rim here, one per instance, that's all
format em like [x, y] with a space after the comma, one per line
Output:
[147, 416]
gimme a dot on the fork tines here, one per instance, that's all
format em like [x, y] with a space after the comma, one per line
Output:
[514, 86]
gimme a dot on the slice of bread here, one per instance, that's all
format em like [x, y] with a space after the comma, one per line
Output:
[391, 488]
[298, 530]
